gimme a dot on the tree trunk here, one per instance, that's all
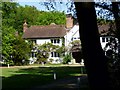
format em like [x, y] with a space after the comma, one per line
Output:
[94, 57]
[115, 10]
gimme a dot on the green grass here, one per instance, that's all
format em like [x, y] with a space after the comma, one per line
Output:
[20, 77]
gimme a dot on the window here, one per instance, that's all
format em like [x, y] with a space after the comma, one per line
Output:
[55, 54]
[55, 41]
[51, 40]
[33, 54]
[106, 39]
[51, 54]
[103, 39]
[58, 41]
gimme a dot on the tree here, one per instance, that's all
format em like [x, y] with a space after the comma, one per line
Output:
[8, 37]
[12, 46]
[112, 10]
[116, 12]
[28, 13]
[114, 63]
[21, 51]
[46, 18]
[36, 17]
[45, 49]
[8, 13]
[94, 57]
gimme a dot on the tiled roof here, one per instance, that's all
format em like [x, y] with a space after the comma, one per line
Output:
[45, 31]
[106, 29]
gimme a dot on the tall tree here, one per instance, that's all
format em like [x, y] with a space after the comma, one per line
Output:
[28, 13]
[116, 12]
[8, 37]
[21, 50]
[94, 58]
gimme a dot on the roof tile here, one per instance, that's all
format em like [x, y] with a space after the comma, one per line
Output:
[45, 31]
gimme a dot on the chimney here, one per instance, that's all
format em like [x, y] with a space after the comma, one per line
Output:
[16, 33]
[25, 27]
[69, 21]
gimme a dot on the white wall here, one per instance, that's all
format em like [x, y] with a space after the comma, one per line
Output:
[73, 33]
[42, 41]
[76, 36]
[103, 44]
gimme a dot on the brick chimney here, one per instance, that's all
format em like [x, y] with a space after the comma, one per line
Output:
[69, 21]
[25, 27]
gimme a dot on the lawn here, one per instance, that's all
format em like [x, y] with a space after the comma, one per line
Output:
[24, 77]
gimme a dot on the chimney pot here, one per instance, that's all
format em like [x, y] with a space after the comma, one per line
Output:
[25, 26]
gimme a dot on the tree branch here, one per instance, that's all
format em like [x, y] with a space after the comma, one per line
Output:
[104, 7]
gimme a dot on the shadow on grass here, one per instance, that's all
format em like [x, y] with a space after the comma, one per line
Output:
[26, 78]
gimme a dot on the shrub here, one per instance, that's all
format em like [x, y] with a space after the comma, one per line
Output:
[67, 59]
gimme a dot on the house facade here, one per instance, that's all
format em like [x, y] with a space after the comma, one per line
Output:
[72, 35]
[107, 38]
[45, 34]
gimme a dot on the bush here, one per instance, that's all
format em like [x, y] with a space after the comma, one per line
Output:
[67, 59]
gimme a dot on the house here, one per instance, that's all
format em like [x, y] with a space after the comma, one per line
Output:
[43, 34]
[72, 35]
[55, 34]
[59, 34]
[107, 37]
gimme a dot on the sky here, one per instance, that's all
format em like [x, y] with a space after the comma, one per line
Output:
[39, 6]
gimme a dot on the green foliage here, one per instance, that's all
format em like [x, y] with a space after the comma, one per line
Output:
[46, 18]
[76, 42]
[67, 59]
[61, 51]
[14, 49]
[47, 48]
[28, 13]
[42, 56]
[43, 51]
[8, 13]
[36, 17]
[101, 21]
[21, 50]
[14, 15]
[8, 38]
[8, 31]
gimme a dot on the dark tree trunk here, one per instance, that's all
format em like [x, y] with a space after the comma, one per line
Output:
[94, 58]
[115, 10]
